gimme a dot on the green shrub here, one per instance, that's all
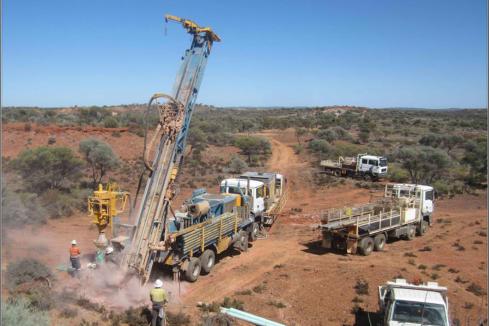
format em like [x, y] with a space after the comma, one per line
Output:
[177, 319]
[321, 147]
[110, 122]
[99, 157]
[45, 168]
[21, 208]
[26, 270]
[19, 312]
[361, 287]
[397, 174]
[237, 165]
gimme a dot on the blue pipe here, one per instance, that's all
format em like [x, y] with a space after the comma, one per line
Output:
[256, 320]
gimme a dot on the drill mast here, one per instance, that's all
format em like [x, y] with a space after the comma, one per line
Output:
[168, 144]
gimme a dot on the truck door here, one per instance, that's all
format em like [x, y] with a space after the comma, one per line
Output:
[364, 167]
[427, 202]
[374, 166]
[258, 200]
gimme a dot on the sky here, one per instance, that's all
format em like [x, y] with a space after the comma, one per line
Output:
[374, 53]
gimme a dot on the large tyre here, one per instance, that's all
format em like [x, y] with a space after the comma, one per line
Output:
[255, 228]
[193, 269]
[334, 244]
[337, 173]
[379, 242]
[207, 261]
[411, 232]
[422, 228]
[366, 246]
[367, 177]
[243, 241]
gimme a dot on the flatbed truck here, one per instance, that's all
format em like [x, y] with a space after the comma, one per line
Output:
[368, 167]
[404, 211]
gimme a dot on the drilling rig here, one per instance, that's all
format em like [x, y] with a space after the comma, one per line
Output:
[163, 157]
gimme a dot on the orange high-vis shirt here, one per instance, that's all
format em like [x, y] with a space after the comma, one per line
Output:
[74, 251]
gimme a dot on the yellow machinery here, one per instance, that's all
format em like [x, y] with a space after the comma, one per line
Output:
[193, 28]
[103, 206]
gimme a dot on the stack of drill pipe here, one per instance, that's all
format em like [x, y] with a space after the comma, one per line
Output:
[193, 240]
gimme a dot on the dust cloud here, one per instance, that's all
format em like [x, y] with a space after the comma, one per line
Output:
[113, 287]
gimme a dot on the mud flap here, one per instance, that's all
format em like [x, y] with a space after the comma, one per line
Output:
[351, 245]
[326, 243]
[184, 265]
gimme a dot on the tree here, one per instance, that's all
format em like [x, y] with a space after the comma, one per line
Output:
[424, 164]
[476, 158]
[251, 145]
[99, 156]
[237, 165]
[320, 146]
[198, 140]
[452, 141]
[45, 168]
[432, 140]
[299, 132]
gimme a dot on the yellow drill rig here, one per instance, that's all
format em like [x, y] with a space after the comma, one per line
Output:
[103, 207]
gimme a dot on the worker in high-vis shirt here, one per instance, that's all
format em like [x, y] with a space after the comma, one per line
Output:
[75, 256]
[158, 299]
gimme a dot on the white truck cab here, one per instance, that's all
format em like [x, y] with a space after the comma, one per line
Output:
[374, 165]
[425, 193]
[412, 305]
[255, 190]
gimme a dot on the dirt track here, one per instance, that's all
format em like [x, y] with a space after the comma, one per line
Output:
[315, 285]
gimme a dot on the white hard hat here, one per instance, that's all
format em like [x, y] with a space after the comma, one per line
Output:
[158, 283]
[73, 242]
[109, 250]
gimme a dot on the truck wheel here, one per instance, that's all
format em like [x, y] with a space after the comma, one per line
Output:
[334, 244]
[411, 232]
[193, 269]
[366, 246]
[207, 261]
[367, 177]
[255, 228]
[422, 228]
[337, 173]
[243, 241]
[379, 242]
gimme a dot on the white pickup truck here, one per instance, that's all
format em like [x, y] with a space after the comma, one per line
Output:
[408, 304]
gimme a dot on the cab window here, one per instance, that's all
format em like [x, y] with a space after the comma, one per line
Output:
[364, 161]
[373, 162]
[236, 190]
[260, 192]
[428, 195]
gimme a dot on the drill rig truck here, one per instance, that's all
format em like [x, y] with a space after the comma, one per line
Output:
[142, 243]
[189, 239]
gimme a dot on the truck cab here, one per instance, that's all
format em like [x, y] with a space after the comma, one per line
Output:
[376, 166]
[425, 193]
[409, 304]
[248, 190]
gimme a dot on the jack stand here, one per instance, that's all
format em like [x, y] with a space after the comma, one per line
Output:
[176, 277]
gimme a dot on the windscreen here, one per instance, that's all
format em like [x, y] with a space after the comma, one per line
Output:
[383, 162]
[428, 314]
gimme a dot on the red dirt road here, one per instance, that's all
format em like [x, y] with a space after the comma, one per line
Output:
[317, 287]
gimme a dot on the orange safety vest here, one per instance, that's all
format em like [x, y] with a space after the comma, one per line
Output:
[74, 251]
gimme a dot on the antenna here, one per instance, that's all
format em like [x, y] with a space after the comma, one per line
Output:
[422, 308]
